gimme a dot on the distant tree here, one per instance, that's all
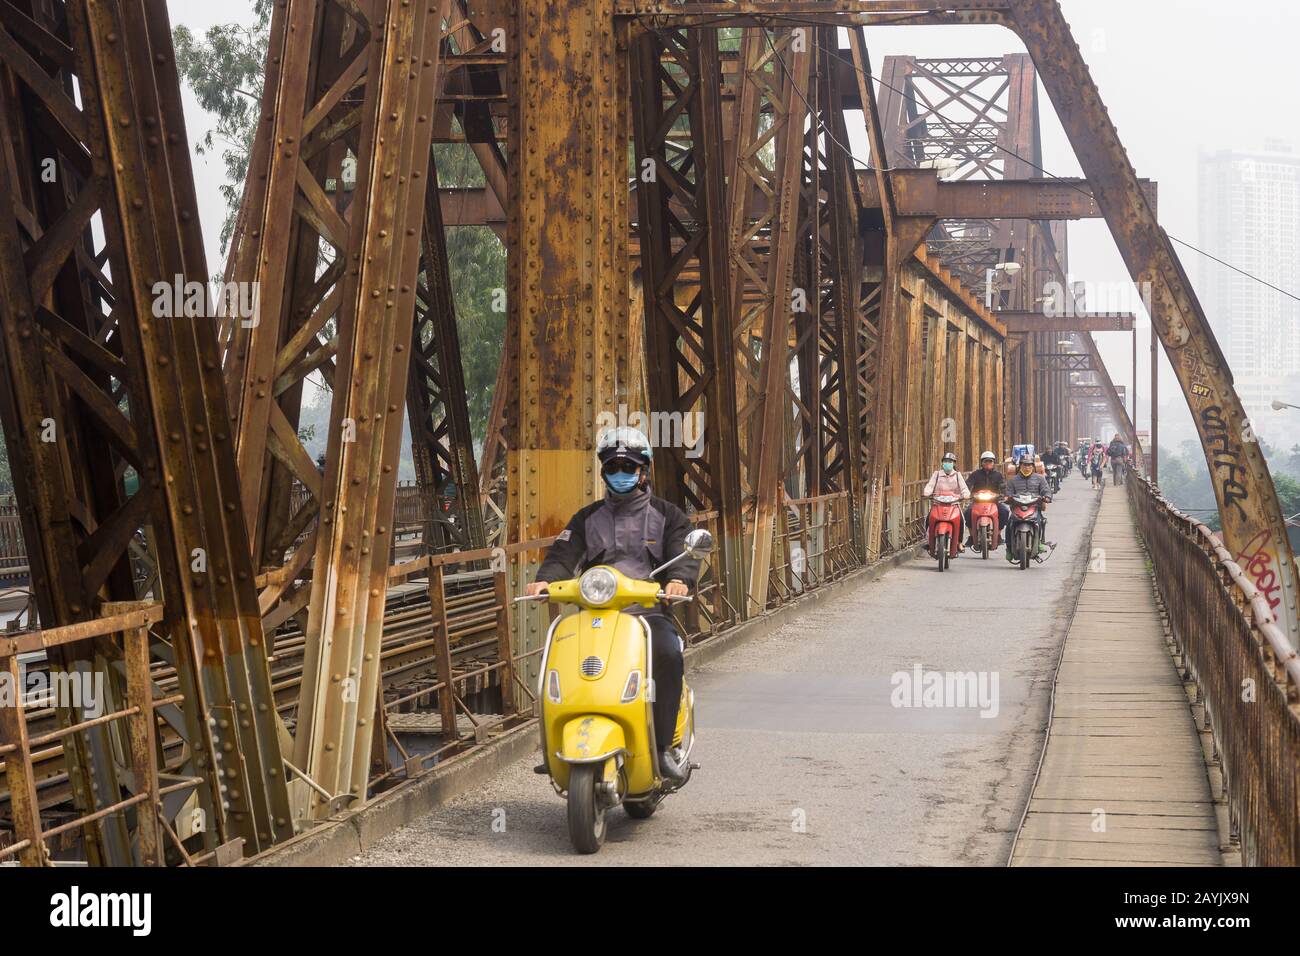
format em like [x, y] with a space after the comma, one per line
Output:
[1185, 483]
[6, 477]
[1288, 496]
[225, 69]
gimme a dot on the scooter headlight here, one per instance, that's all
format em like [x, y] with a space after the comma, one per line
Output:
[553, 687]
[631, 688]
[598, 586]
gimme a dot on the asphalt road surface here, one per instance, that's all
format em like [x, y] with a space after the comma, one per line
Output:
[808, 753]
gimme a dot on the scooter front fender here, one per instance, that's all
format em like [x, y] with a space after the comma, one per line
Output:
[591, 738]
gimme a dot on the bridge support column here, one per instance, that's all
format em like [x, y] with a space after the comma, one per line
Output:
[567, 260]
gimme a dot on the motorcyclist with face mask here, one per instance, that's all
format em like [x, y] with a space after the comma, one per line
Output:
[633, 531]
[948, 481]
[1027, 481]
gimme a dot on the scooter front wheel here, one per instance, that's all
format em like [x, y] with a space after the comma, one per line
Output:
[1025, 545]
[586, 815]
[941, 545]
[986, 535]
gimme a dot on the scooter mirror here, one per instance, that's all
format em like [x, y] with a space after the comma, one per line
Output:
[699, 543]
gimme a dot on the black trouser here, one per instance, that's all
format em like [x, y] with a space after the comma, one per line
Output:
[667, 667]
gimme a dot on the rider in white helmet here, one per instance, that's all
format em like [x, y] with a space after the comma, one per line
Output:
[635, 532]
[988, 477]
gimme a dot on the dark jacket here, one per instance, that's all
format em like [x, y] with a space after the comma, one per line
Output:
[981, 480]
[634, 533]
[1035, 484]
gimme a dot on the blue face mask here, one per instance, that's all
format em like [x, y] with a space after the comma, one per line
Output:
[621, 483]
[947, 466]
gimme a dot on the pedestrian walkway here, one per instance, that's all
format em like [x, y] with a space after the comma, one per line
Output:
[1123, 780]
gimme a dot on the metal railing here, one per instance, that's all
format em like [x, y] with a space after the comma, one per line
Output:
[1245, 670]
[13, 553]
[139, 743]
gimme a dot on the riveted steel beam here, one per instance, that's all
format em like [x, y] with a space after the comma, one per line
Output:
[677, 126]
[1026, 322]
[376, 296]
[567, 258]
[441, 444]
[95, 257]
[774, 82]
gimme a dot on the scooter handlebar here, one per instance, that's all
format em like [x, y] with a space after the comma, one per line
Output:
[675, 598]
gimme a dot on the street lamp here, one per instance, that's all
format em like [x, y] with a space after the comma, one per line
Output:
[1279, 405]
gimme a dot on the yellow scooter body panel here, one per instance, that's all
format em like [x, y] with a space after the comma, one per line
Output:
[591, 720]
[592, 738]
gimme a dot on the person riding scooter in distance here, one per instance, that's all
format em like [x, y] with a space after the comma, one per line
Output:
[948, 481]
[987, 477]
[1027, 481]
[633, 531]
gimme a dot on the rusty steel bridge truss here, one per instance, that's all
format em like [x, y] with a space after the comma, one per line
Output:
[688, 234]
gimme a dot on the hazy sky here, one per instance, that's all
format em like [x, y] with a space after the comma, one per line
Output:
[1177, 77]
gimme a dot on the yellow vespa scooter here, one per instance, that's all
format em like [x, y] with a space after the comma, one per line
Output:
[597, 692]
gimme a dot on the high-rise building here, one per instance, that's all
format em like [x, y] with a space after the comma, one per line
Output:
[1250, 217]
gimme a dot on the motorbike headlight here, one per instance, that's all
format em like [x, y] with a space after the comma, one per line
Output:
[598, 586]
[631, 688]
[553, 687]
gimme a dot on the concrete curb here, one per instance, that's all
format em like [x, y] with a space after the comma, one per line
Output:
[347, 834]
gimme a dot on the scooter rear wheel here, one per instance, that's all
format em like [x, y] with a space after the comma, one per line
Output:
[586, 815]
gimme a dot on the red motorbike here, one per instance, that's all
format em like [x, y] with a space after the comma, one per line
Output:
[984, 522]
[944, 529]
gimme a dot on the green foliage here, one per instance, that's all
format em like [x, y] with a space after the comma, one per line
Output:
[6, 477]
[224, 67]
[1185, 481]
[476, 261]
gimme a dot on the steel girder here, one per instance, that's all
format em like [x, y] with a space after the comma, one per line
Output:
[568, 332]
[1026, 322]
[377, 298]
[677, 127]
[841, 391]
[113, 404]
[768, 159]
[348, 87]
[1065, 361]
[441, 444]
